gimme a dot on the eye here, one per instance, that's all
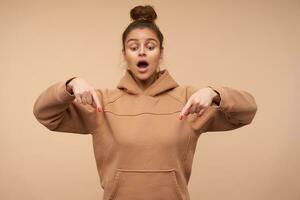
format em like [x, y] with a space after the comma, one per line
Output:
[133, 48]
[151, 48]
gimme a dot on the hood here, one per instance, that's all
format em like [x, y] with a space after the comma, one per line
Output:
[163, 83]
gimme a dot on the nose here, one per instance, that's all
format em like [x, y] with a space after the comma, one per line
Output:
[142, 51]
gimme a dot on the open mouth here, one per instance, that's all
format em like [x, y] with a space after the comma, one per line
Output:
[142, 64]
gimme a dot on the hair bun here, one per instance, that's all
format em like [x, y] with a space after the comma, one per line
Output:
[143, 13]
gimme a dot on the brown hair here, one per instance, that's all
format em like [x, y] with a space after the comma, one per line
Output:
[143, 17]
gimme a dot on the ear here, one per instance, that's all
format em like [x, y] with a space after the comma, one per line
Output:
[124, 54]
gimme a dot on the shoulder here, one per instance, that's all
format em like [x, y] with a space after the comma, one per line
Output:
[108, 95]
[183, 92]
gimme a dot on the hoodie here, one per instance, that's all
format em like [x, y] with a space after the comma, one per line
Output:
[142, 150]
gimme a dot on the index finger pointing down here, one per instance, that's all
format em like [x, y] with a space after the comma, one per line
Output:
[97, 101]
[185, 109]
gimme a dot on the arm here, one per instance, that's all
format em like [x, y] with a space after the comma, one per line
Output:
[55, 109]
[230, 109]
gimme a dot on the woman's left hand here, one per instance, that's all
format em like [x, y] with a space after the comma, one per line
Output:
[199, 102]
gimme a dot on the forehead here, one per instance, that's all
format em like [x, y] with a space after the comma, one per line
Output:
[143, 34]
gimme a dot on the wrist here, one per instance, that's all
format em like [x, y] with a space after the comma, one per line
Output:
[69, 87]
[216, 96]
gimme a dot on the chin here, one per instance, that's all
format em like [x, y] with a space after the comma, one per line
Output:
[142, 76]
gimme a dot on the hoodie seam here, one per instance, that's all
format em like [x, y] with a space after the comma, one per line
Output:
[176, 98]
[187, 149]
[170, 113]
[115, 98]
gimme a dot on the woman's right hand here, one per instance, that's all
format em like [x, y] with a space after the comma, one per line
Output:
[84, 93]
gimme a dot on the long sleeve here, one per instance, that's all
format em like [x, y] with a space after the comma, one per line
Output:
[237, 108]
[55, 109]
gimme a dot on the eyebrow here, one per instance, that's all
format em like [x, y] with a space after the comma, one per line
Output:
[133, 39]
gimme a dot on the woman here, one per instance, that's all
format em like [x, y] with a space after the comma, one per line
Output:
[146, 129]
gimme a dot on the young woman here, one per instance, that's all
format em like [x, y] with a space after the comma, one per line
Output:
[146, 129]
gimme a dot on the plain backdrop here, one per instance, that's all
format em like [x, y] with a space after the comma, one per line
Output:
[249, 45]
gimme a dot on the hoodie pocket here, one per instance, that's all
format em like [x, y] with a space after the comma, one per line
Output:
[146, 185]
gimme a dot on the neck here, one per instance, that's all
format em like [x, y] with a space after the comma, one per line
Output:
[144, 84]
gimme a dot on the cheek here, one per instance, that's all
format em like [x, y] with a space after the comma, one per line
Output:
[130, 57]
[155, 57]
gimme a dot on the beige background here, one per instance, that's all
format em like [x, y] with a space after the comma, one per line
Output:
[250, 45]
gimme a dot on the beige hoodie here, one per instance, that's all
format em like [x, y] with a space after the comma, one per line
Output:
[142, 150]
